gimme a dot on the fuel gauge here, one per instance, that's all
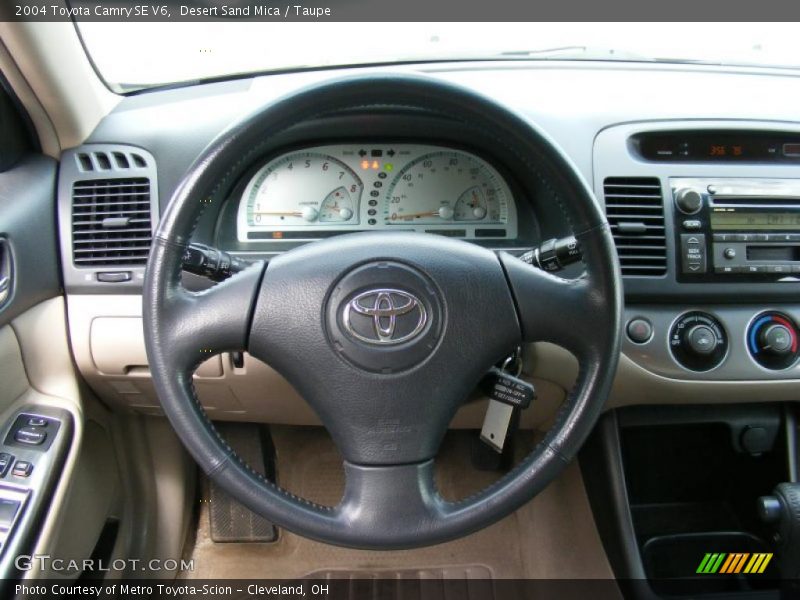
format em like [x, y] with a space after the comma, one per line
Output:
[471, 205]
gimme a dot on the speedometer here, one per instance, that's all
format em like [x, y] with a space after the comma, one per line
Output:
[447, 187]
[315, 192]
[301, 189]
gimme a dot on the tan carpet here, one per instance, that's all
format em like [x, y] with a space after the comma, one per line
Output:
[553, 536]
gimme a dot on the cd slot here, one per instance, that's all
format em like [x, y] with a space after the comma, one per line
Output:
[773, 253]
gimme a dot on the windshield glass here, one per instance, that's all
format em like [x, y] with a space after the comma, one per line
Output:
[131, 56]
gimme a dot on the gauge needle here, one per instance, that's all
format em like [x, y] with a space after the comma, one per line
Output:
[417, 215]
[294, 213]
[445, 212]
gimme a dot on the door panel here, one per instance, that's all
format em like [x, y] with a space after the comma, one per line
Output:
[29, 257]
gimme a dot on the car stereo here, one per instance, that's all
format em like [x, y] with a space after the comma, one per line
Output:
[737, 229]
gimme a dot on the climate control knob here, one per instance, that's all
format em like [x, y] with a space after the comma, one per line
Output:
[701, 339]
[698, 341]
[772, 341]
[688, 201]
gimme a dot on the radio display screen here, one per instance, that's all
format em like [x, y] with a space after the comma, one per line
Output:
[755, 221]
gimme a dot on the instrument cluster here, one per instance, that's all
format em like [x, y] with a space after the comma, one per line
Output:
[315, 192]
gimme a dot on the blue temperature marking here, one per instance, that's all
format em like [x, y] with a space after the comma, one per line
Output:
[754, 331]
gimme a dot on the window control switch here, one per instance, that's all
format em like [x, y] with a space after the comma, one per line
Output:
[6, 460]
[22, 469]
[8, 510]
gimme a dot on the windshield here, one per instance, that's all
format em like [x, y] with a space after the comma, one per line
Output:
[131, 56]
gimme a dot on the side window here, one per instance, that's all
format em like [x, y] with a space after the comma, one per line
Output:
[14, 137]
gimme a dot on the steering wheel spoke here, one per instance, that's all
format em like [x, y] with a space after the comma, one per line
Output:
[572, 313]
[198, 325]
[389, 501]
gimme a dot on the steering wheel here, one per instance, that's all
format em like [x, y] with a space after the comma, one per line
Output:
[383, 334]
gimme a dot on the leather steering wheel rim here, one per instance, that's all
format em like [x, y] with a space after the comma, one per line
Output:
[386, 430]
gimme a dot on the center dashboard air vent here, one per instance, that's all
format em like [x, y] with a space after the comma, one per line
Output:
[108, 208]
[635, 212]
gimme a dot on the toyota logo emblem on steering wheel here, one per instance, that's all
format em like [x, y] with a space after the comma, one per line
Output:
[387, 316]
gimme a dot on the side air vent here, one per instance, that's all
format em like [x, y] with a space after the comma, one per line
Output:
[90, 162]
[111, 224]
[635, 211]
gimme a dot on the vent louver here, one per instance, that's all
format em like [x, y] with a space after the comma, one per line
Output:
[111, 224]
[108, 161]
[635, 212]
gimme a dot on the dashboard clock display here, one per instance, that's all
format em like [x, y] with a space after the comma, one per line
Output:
[442, 188]
[300, 190]
[319, 191]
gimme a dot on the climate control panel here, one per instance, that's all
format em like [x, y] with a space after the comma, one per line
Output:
[715, 343]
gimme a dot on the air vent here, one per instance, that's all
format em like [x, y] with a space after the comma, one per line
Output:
[111, 223]
[635, 211]
[89, 162]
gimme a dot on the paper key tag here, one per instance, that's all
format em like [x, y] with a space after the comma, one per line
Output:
[496, 424]
[506, 394]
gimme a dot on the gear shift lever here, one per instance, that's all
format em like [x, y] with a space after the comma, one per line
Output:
[783, 510]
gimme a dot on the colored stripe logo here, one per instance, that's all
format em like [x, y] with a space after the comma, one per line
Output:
[736, 562]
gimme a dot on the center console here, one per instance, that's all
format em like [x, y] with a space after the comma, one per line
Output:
[706, 220]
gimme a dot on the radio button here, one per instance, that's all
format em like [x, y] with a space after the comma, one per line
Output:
[784, 237]
[779, 269]
[692, 224]
[795, 268]
[755, 269]
[722, 237]
[727, 269]
[693, 253]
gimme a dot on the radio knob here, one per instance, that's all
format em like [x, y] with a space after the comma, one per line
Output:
[688, 201]
[776, 339]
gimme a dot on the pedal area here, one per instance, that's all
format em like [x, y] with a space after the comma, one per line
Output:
[231, 522]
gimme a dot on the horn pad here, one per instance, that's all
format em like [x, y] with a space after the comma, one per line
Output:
[384, 317]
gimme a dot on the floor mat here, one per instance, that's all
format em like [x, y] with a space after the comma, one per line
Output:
[554, 536]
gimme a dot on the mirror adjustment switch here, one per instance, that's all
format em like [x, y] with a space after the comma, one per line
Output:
[32, 436]
[33, 431]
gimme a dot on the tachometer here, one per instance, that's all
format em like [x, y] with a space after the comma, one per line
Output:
[444, 187]
[300, 189]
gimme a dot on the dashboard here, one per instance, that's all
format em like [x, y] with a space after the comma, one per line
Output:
[708, 317]
[315, 192]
